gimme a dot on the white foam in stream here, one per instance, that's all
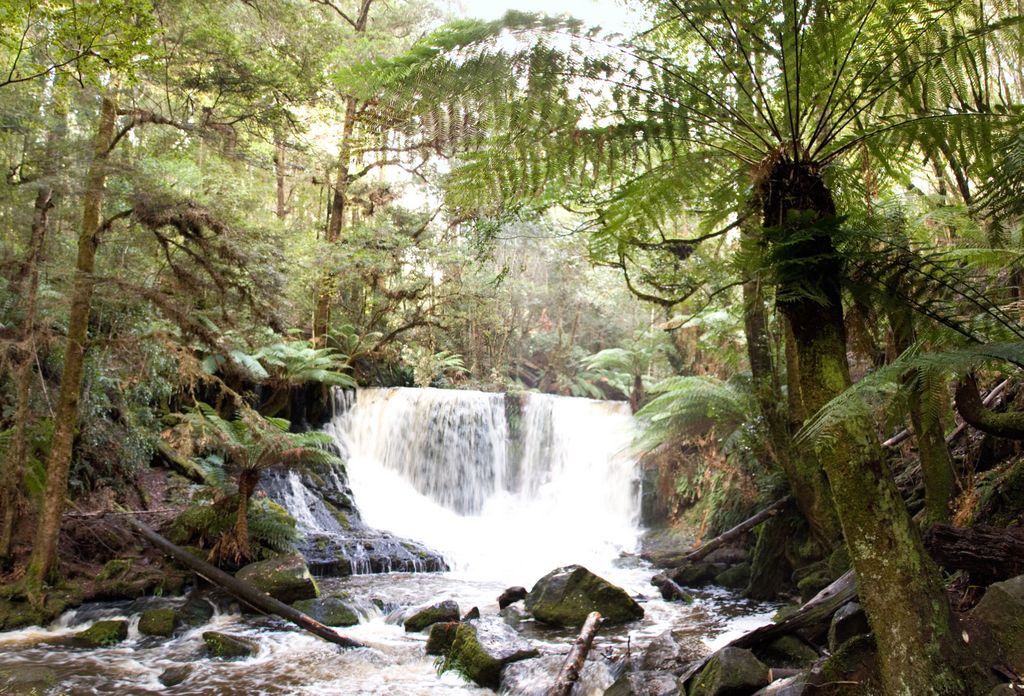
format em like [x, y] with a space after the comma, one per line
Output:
[436, 466]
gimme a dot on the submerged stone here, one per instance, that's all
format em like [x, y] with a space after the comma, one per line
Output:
[482, 648]
[100, 634]
[285, 578]
[511, 595]
[565, 596]
[446, 610]
[196, 611]
[730, 672]
[330, 611]
[158, 622]
[172, 676]
[226, 645]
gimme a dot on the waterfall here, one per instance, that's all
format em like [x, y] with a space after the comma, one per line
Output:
[505, 486]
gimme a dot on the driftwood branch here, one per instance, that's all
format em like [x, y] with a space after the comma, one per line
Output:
[736, 532]
[243, 590]
[989, 554]
[569, 674]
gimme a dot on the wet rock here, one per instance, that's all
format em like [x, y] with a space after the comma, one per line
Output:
[27, 680]
[511, 595]
[447, 610]
[791, 686]
[473, 613]
[285, 578]
[848, 622]
[670, 590]
[196, 611]
[852, 670]
[172, 676]
[787, 651]
[565, 596]
[696, 574]
[643, 684]
[667, 653]
[17, 614]
[534, 677]
[513, 616]
[442, 635]
[158, 622]
[730, 672]
[226, 645]
[482, 648]
[1001, 614]
[100, 634]
[735, 577]
[330, 611]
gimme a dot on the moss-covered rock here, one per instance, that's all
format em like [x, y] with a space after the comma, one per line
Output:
[730, 672]
[565, 596]
[786, 651]
[852, 670]
[16, 614]
[442, 636]
[1000, 614]
[839, 561]
[481, 648]
[696, 574]
[642, 684]
[226, 645]
[285, 578]
[735, 577]
[814, 583]
[422, 617]
[158, 622]
[101, 634]
[330, 611]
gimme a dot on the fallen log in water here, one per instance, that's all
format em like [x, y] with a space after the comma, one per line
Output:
[734, 533]
[569, 674]
[989, 554]
[243, 590]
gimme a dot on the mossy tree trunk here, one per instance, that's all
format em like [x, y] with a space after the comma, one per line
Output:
[58, 463]
[900, 587]
[930, 436]
[247, 481]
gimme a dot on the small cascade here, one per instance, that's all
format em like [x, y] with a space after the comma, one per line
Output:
[500, 484]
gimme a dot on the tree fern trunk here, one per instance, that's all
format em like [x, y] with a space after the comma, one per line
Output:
[900, 587]
[58, 463]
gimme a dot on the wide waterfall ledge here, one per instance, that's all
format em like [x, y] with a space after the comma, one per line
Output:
[504, 486]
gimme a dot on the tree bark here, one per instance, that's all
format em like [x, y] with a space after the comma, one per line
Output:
[58, 464]
[974, 412]
[242, 590]
[279, 175]
[569, 674]
[247, 481]
[900, 586]
[989, 554]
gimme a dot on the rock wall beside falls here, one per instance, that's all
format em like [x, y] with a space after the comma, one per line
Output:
[334, 539]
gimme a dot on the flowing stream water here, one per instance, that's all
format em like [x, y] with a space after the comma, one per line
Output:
[507, 488]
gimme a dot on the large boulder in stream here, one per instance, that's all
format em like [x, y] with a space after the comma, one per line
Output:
[330, 611]
[160, 621]
[565, 596]
[285, 578]
[483, 647]
[422, 617]
[101, 634]
[229, 646]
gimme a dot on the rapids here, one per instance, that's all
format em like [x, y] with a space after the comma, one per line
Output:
[507, 488]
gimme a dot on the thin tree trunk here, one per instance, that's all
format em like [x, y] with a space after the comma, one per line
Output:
[58, 464]
[279, 165]
[569, 674]
[11, 501]
[247, 481]
[900, 586]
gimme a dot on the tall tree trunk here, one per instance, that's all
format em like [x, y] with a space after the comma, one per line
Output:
[58, 463]
[13, 471]
[900, 586]
[279, 165]
[336, 215]
[936, 462]
[806, 479]
[247, 481]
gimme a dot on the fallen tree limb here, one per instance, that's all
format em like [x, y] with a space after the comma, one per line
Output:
[814, 615]
[989, 554]
[734, 533]
[243, 590]
[569, 674]
[182, 465]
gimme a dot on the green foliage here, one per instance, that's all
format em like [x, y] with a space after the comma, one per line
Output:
[692, 406]
[211, 514]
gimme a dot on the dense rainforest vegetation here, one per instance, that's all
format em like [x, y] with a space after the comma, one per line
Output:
[787, 232]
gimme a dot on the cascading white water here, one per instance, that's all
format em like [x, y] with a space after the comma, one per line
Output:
[500, 500]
